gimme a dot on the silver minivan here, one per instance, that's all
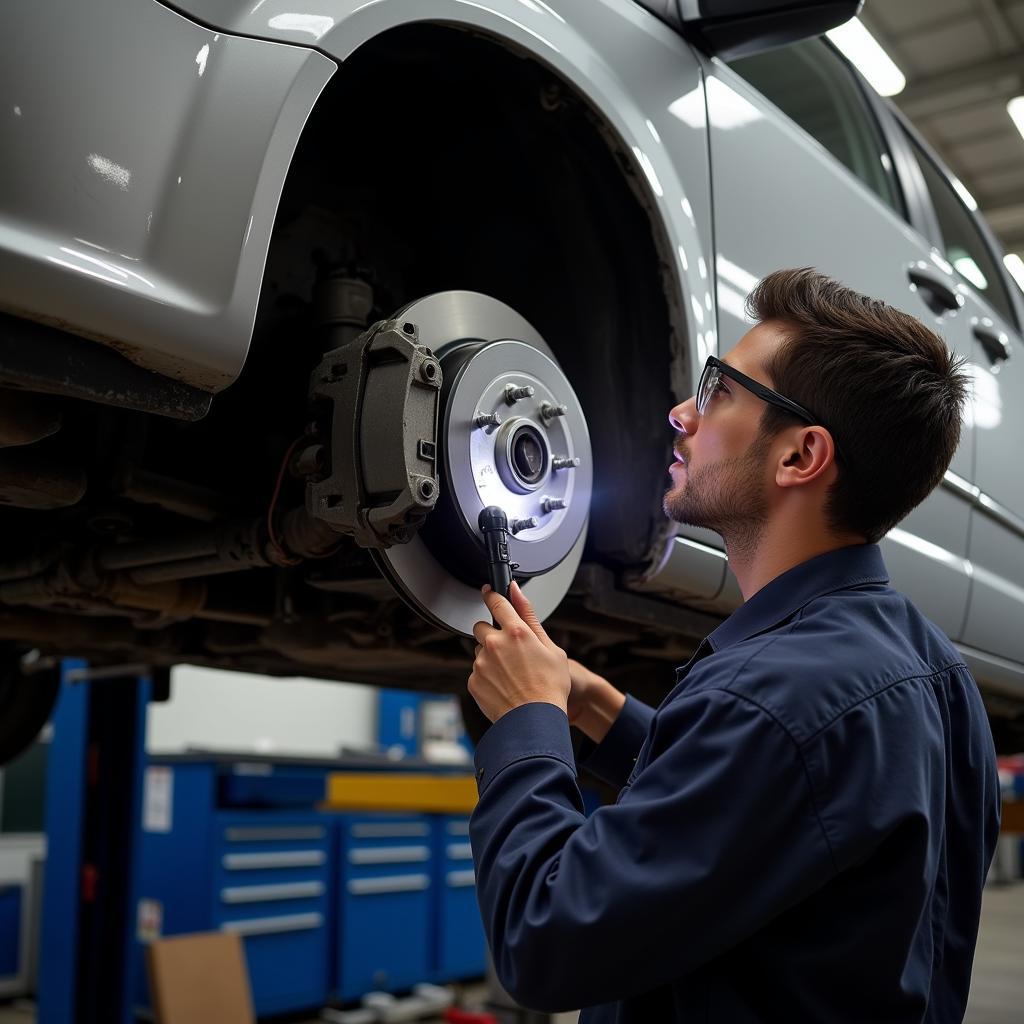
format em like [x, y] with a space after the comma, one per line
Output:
[292, 289]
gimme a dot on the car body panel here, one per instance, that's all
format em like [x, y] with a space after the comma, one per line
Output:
[796, 205]
[232, 109]
[995, 551]
[153, 242]
[996, 547]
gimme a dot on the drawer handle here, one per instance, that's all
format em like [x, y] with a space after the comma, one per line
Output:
[461, 879]
[390, 855]
[397, 883]
[460, 851]
[390, 830]
[273, 925]
[263, 835]
[458, 828]
[283, 859]
[259, 893]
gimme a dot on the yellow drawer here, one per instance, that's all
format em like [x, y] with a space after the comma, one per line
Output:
[405, 791]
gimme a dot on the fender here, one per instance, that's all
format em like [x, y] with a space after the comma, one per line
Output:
[138, 207]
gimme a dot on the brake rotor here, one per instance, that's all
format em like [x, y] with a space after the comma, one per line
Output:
[512, 434]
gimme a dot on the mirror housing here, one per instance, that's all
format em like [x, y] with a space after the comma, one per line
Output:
[738, 28]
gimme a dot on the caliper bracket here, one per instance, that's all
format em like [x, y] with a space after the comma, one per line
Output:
[381, 394]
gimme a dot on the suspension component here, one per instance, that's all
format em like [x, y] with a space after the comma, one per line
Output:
[380, 396]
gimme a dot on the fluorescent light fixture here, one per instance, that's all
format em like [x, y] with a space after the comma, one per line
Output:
[1015, 265]
[1015, 108]
[863, 51]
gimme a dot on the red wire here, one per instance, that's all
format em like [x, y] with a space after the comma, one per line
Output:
[273, 501]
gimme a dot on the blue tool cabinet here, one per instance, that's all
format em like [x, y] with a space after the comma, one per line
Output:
[330, 905]
[460, 946]
[271, 876]
[263, 873]
[385, 886]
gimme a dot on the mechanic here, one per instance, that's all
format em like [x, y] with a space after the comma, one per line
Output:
[806, 821]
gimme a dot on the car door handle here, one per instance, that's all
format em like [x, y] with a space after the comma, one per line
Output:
[938, 292]
[995, 343]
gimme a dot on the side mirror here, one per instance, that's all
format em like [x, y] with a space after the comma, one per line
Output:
[738, 28]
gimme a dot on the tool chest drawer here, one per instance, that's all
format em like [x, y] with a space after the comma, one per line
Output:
[385, 892]
[460, 946]
[271, 886]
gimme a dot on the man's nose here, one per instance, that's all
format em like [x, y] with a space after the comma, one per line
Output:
[684, 417]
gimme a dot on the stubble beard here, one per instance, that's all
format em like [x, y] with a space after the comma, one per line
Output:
[727, 498]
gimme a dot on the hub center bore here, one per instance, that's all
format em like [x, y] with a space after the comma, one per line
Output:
[523, 455]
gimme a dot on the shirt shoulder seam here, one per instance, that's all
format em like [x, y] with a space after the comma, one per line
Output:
[877, 693]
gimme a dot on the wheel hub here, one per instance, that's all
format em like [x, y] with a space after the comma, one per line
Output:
[512, 434]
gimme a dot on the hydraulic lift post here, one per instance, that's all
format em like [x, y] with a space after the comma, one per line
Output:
[93, 827]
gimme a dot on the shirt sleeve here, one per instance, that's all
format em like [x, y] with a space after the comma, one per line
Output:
[715, 836]
[613, 758]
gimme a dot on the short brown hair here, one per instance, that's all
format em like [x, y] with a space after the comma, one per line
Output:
[884, 385]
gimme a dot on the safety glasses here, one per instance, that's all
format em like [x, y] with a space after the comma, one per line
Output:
[715, 370]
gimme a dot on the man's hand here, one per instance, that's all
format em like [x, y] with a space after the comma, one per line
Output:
[518, 663]
[594, 703]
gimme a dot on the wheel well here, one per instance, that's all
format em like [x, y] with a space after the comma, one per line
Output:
[438, 159]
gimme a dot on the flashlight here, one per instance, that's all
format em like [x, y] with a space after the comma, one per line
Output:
[494, 526]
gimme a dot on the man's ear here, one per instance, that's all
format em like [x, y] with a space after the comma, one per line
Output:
[811, 453]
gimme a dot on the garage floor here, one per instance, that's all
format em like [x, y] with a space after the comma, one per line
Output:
[997, 992]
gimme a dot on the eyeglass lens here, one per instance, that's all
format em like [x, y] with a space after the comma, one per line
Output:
[708, 382]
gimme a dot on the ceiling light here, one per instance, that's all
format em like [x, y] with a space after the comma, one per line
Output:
[1015, 108]
[863, 51]
[1015, 265]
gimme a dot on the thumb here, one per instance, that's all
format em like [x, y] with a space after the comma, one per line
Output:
[524, 609]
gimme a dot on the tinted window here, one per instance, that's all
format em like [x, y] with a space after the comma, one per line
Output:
[964, 244]
[809, 83]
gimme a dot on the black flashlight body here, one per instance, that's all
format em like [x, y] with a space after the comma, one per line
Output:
[494, 526]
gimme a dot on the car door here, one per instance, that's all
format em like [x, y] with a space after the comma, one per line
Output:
[996, 547]
[802, 176]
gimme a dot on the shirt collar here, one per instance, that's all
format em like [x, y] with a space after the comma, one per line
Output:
[779, 599]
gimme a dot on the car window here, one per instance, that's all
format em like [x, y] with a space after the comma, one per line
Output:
[813, 86]
[965, 246]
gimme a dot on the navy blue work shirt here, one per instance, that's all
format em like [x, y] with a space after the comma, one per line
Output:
[803, 833]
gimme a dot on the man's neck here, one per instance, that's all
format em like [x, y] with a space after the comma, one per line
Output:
[779, 549]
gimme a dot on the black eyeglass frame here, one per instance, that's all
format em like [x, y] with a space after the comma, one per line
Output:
[763, 392]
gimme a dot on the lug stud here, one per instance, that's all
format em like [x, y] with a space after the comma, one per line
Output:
[523, 524]
[514, 394]
[549, 411]
[488, 419]
[565, 462]
[548, 505]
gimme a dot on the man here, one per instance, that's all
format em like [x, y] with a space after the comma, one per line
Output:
[807, 819]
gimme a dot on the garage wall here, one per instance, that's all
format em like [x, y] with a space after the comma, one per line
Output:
[235, 711]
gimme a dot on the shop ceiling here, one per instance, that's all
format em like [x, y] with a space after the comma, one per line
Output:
[963, 60]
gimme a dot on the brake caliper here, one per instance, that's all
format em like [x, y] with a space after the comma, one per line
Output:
[378, 397]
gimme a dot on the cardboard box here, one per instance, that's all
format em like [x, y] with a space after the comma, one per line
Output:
[199, 979]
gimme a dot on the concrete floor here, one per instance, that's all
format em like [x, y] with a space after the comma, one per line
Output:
[997, 985]
[997, 989]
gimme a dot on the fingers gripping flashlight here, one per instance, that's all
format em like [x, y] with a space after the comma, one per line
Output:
[494, 526]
